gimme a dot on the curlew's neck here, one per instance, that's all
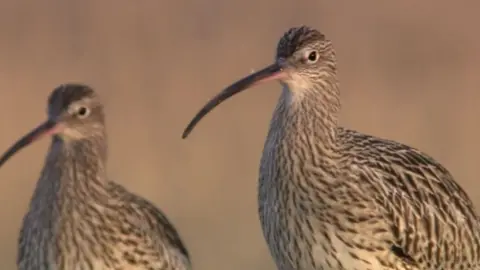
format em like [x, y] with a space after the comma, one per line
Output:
[309, 113]
[303, 135]
[74, 170]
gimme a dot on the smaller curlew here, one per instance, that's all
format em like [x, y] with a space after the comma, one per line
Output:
[334, 198]
[78, 218]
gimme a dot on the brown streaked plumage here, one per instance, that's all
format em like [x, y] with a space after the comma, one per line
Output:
[78, 218]
[334, 198]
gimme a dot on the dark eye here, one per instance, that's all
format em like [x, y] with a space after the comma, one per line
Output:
[83, 112]
[312, 56]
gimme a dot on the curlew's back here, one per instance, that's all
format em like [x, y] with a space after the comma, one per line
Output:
[432, 222]
[379, 205]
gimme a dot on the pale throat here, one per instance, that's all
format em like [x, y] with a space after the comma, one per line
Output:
[315, 101]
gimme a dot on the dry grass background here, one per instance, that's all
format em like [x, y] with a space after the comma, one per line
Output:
[408, 71]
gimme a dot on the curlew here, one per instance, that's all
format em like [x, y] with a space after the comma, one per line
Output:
[78, 218]
[333, 198]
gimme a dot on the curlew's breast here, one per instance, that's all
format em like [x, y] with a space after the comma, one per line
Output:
[308, 230]
[308, 242]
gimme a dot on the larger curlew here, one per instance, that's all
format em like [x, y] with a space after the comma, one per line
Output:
[77, 218]
[334, 198]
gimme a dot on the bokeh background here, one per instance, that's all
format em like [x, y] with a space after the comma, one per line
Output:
[409, 72]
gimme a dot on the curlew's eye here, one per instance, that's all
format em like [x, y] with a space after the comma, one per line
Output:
[83, 112]
[312, 57]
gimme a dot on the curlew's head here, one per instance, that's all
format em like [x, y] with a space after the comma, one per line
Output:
[74, 113]
[305, 58]
[304, 62]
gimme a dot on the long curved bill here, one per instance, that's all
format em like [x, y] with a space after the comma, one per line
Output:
[272, 72]
[47, 128]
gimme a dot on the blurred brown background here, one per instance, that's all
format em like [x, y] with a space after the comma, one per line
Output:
[408, 71]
